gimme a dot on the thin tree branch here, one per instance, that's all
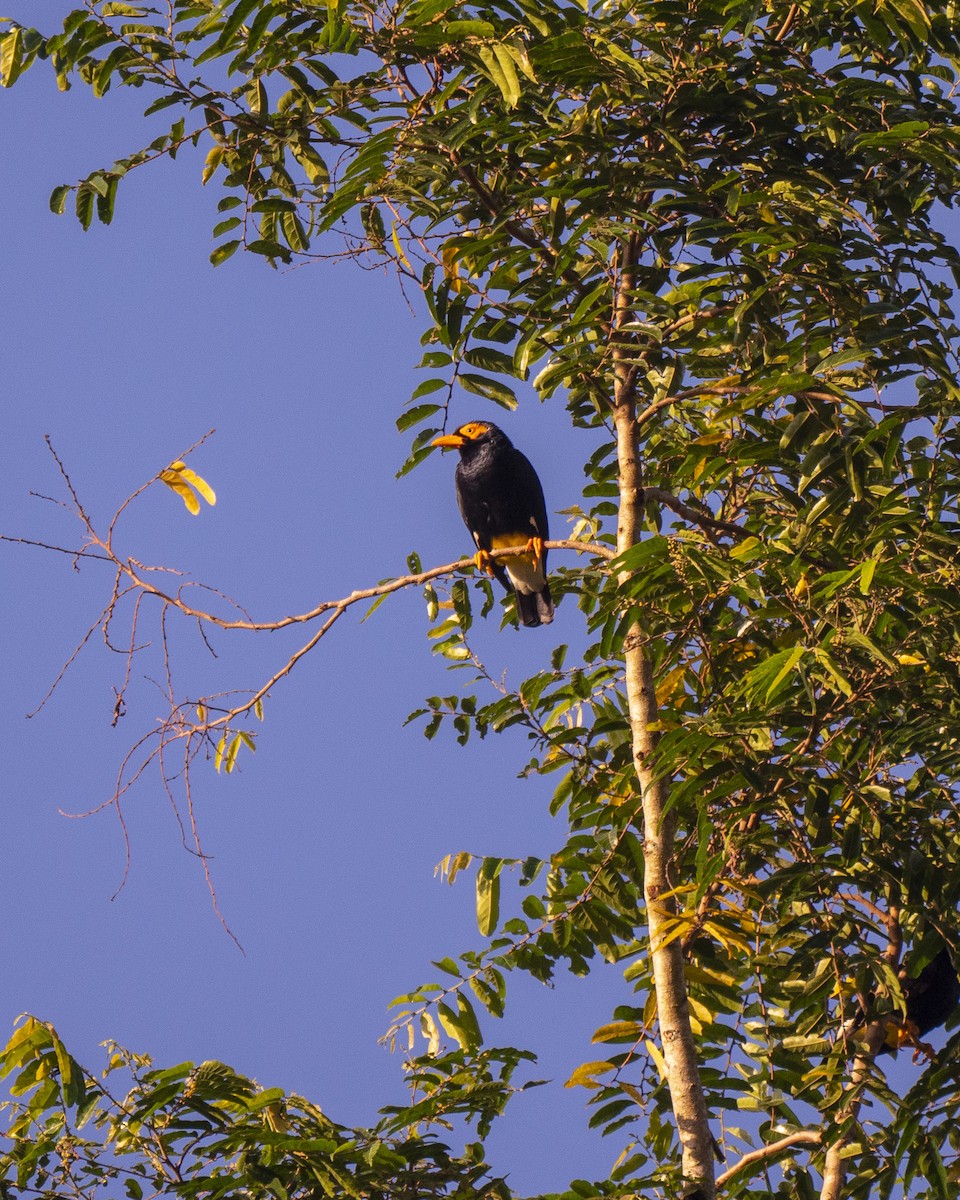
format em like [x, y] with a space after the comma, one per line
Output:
[802, 1137]
[706, 522]
[355, 597]
[19, 541]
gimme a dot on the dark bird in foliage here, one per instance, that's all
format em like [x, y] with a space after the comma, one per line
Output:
[501, 502]
[931, 998]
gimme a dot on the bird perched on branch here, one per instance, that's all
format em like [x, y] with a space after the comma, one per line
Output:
[930, 1000]
[501, 502]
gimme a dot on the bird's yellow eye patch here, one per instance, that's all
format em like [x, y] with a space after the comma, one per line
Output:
[475, 429]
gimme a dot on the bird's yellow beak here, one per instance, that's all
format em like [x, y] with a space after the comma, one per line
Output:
[449, 441]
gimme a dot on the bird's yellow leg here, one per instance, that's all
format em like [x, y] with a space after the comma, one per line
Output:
[924, 1052]
[484, 562]
[909, 1035]
[535, 547]
[906, 1033]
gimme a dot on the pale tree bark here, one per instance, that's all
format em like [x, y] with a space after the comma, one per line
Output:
[673, 1012]
[837, 1158]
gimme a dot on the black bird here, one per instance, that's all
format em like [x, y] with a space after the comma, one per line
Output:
[501, 502]
[930, 1000]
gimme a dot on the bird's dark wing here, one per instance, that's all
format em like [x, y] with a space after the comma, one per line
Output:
[934, 994]
[476, 501]
[525, 509]
[522, 517]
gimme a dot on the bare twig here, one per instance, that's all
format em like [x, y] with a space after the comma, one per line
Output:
[211, 723]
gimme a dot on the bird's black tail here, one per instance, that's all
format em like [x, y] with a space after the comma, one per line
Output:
[535, 608]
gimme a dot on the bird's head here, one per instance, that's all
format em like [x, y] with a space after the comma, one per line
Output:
[471, 436]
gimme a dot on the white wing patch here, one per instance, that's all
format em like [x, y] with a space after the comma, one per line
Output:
[525, 574]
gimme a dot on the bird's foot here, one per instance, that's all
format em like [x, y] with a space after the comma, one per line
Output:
[484, 562]
[923, 1051]
[907, 1034]
[535, 547]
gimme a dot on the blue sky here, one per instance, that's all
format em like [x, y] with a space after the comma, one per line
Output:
[125, 346]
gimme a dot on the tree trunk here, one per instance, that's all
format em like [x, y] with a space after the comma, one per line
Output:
[679, 1048]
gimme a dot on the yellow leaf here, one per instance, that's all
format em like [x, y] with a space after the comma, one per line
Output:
[204, 488]
[450, 257]
[23, 1034]
[911, 660]
[399, 249]
[703, 975]
[175, 482]
[180, 479]
[232, 750]
[671, 930]
[670, 684]
[488, 902]
[586, 1074]
[453, 864]
[214, 158]
[275, 1119]
[11, 55]
[428, 1027]
[730, 941]
[657, 1057]
[650, 1008]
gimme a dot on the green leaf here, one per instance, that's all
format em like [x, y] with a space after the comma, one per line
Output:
[58, 198]
[867, 571]
[488, 896]
[620, 1031]
[420, 412]
[492, 389]
[86, 199]
[224, 251]
[106, 202]
[223, 227]
[72, 1083]
[500, 69]
[770, 679]
[461, 1025]
[373, 607]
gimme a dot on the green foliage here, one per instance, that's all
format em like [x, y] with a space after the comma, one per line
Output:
[757, 188]
[205, 1131]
